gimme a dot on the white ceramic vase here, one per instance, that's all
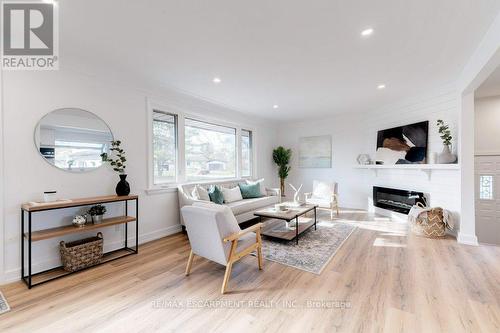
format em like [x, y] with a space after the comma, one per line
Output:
[446, 156]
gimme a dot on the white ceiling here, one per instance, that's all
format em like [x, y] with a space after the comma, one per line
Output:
[306, 56]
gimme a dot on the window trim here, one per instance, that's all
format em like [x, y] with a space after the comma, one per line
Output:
[252, 156]
[182, 114]
[176, 129]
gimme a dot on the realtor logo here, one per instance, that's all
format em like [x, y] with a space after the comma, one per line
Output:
[29, 36]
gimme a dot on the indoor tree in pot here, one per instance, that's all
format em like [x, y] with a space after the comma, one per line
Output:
[281, 157]
[446, 156]
[117, 162]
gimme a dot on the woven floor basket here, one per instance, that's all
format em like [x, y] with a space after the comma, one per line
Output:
[433, 226]
[82, 253]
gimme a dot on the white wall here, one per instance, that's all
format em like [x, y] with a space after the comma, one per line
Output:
[357, 133]
[347, 141]
[487, 122]
[30, 95]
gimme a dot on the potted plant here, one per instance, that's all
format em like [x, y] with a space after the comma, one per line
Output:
[117, 162]
[281, 157]
[97, 212]
[446, 156]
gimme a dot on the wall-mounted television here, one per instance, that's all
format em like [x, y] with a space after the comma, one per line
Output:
[403, 145]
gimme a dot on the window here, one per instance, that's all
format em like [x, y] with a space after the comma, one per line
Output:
[164, 147]
[246, 153]
[185, 148]
[210, 150]
[486, 187]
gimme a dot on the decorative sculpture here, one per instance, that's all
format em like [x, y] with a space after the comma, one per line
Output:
[296, 196]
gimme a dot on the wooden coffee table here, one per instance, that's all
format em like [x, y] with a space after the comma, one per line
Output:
[275, 226]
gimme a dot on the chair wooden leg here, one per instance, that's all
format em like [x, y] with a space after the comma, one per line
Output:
[259, 250]
[190, 262]
[227, 276]
[229, 266]
[337, 210]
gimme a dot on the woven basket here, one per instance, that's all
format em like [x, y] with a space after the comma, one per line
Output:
[82, 253]
[433, 226]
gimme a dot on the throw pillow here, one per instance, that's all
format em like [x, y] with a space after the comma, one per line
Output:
[216, 195]
[260, 182]
[231, 194]
[322, 189]
[200, 193]
[250, 191]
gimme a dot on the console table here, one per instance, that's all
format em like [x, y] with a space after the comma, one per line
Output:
[29, 236]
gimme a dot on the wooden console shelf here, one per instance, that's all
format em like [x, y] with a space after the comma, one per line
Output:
[70, 229]
[38, 206]
[28, 236]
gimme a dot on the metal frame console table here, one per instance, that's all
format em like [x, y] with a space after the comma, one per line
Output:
[30, 236]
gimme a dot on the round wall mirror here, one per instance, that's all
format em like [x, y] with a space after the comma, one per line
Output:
[73, 139]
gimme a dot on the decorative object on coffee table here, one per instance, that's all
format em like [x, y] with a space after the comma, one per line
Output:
[296, 196]
[281, 157]
[117, 161]
[446, 156]
[97, 212]
[82, 253]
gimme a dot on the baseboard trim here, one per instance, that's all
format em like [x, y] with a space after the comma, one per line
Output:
[14, 275]
[467, 239]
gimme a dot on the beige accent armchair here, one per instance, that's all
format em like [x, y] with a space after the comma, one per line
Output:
[325, 195]
[215, 235]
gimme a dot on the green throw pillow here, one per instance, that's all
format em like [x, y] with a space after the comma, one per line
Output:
[215, 195]
[250, 191]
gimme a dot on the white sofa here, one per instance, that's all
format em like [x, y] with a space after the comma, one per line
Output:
[243, 209]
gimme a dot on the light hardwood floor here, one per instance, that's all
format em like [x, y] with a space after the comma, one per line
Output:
[388, 281]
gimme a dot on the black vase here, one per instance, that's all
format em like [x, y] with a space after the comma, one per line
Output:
[123, 187]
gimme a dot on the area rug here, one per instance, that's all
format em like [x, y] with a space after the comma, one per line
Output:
[4, 306]
[315, 249]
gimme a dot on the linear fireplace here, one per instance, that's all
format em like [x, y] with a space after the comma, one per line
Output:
[396, 200]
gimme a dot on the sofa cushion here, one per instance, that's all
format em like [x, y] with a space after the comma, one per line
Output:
[200, 193]
[231, 194]
[247, 205]
[250, 191]
[216, 195]
[323, 189]
[260, 182]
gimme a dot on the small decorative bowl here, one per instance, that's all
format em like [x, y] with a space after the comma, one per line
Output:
[79, 221]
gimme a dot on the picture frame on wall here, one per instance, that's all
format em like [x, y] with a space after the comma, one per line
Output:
[315, 151]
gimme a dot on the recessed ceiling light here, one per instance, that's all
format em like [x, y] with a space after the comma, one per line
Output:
[381, 86]
[216, 80]
[367, 32]
[275, 106]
